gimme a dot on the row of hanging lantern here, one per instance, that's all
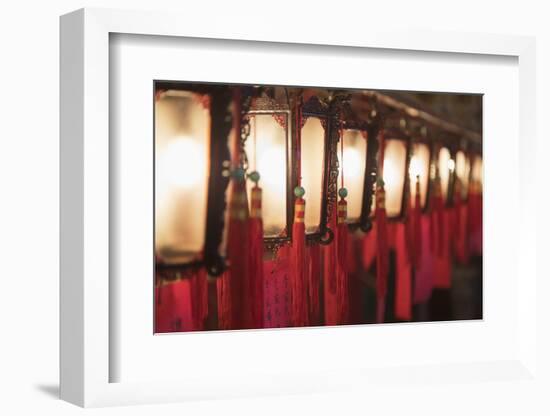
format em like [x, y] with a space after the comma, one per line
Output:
[319, 142]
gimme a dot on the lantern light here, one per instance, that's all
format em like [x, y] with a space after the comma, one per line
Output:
[446, 167]
[313, 139]
[477, 172]
[395, 167]
[395, 162]
[181, 150]
[414, 167]
[312, 153]
[267, 151]
[419, 169]
[353, 165]
[359, 127]
[462, 173]
[451, 165]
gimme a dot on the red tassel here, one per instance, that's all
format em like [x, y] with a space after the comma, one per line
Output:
[403, 276]
[232, 283]
[437, 219]
[231, 286]
[458, 235]
[342, 234]
[342, 269]
[237, 251]
[223, 290]
[382, 252]
[331, 259]
[298, 266]
[424, 274]
[416, 253]
[314, 282]
[369, 240]
[442, 261]
[255, 292]
[330, 263]
[355, 292]
[410, 222]
[199, 298]
[464, 251]
[475, 223]
[353, 254]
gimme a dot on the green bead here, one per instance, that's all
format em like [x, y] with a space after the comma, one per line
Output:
[343, 192]
[299, 192]
[254, 176]
[380, 182]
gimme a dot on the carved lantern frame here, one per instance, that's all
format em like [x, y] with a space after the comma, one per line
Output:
[282, 114]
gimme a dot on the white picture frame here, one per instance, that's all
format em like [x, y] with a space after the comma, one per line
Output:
[85, 352]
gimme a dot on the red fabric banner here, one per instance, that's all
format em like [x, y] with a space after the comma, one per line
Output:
[173, 309]
[277, 289]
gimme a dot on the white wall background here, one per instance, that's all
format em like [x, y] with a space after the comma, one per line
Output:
[29, 64]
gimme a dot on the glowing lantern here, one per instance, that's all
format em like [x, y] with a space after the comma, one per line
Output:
[313, 141]
[462, 173]
[446, 167]
[395, 163]
[477, 173]
[358, 152]
[354, 165]
[268, 151]
[419, 170]
[191, 123]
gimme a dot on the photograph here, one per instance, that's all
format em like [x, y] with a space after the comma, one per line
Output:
[275, 209]
[301, 206]
[291, 208]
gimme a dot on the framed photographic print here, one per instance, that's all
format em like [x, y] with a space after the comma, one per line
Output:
[287, 212]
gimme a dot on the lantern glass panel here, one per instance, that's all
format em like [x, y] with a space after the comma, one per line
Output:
[395, 160]
[446, 167]
[353, 167]
[266, 150]
[462, 172]
[312, 163]
[419, 167]
[181, 170]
